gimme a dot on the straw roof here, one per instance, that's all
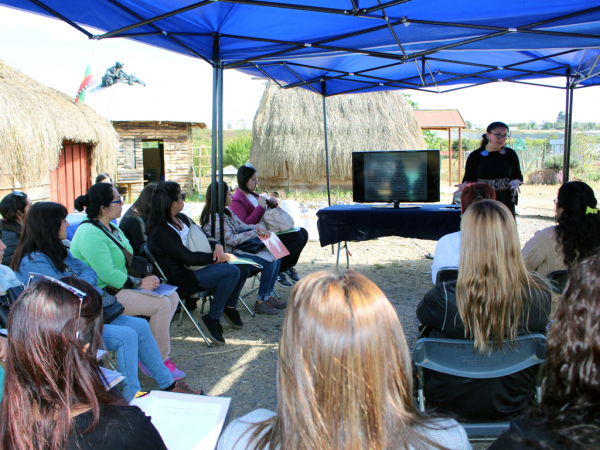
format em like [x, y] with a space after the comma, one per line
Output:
[288, 135]
[34, 122]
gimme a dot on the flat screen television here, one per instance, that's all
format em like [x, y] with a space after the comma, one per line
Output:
[411, 176]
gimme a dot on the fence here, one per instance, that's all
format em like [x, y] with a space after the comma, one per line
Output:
[201, 168]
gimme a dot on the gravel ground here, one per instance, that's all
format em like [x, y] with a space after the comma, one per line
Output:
[245, 368]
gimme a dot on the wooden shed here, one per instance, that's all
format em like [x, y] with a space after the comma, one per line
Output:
[154, 151]
[50, 147]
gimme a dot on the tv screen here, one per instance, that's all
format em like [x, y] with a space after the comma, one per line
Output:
[396, 176]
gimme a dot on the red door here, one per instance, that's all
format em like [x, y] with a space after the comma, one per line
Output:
[72, 176]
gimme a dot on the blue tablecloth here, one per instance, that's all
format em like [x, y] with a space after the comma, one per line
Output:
[361, 223]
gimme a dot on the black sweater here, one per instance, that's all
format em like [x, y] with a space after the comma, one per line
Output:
[134, 228]
[172, 257]
[470, 399]
[11, 234]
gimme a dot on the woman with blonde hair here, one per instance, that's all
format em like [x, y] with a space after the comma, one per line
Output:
[344, 377]
[494, 299]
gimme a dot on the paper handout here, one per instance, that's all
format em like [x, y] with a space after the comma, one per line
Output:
[275, 246]
[184, 421]
[160, 291]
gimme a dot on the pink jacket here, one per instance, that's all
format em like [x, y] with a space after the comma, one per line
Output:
[242, 207]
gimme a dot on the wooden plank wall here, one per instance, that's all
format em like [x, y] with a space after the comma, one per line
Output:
[39, 191]
[177, 142]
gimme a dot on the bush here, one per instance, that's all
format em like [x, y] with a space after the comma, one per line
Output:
[237, 152]
[556, 162]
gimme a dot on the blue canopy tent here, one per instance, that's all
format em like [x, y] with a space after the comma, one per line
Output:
[343, 46]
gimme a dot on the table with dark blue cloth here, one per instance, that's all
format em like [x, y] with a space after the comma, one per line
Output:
[361, 222]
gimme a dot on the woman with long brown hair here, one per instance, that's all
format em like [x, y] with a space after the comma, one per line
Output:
[568, 416]
[55, 396]
[344, 377]
[495, 298]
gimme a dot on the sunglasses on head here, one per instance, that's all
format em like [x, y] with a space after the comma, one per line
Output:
[18, 194]
[69, 288]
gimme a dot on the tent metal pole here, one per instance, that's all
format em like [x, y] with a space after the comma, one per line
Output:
[214, 136]
[326, 148]
[566, 142]
[220, 132]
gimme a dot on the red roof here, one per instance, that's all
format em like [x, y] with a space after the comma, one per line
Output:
[439, 118]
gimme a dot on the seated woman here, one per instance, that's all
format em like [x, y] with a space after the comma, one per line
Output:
[13, 208]
[133, 223]
[347, 386]
[568, 416]
[495, 298]
[42, 251]
[103, 178]
[93, 245]
[57, 399]
[168, 232]
[447, 250]
[576, 236]
[237, 232]
[250, 207]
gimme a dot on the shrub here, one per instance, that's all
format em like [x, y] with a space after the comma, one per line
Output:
[237, 152]
[556, 162]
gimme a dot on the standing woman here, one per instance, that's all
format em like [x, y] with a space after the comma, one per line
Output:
[250, 207]
[13, 208]
[56, 398]
[93, 246]
[168, 231]
[496, 165]
[495, 298]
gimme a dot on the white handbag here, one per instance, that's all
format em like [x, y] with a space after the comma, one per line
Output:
[197, 242]
[277, 220]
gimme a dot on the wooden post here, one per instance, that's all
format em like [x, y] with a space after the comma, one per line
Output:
[449, 156]
[460, 151]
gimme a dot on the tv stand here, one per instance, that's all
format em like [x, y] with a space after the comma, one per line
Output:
[396, 205]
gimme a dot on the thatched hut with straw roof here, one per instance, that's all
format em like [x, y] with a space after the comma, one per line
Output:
[50, 147]
[288, 139]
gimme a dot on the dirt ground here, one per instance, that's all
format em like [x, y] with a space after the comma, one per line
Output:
[245, 368]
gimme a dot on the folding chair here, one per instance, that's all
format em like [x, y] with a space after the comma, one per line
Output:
[201, 294]
[458, 357]
[558, 280]
[446, 274]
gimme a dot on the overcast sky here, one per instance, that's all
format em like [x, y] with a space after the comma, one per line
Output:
[179, 88]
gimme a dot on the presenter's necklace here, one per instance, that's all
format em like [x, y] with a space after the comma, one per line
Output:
[485, 152]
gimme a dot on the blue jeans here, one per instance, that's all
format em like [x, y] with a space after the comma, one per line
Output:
[225, 279]
[132, 339]
[268, 275]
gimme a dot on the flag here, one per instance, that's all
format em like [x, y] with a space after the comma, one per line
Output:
[89, 79]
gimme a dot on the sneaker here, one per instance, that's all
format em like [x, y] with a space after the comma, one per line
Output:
[292, 275]
[177, 374]
[213, 329]
[283, 281]
[183, 388]
[232, 316]
[276, 303]
[265, 308]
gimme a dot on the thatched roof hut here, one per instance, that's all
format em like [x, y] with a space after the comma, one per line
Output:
[288, 137]
[35, 121]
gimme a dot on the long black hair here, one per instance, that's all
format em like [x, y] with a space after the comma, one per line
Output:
[10, 207]
[244, 174]
[206, 211]
[165, 193]
[491, 127]
[570, 406]
[578, 229]
[98, 195]
[141, 206]
[40, 234]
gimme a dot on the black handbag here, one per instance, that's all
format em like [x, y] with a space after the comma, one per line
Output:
[111, 308]
[6, 301]
[254, 245]
[137, 266]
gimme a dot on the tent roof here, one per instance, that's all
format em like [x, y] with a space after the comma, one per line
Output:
[354, 45]
[439, 118]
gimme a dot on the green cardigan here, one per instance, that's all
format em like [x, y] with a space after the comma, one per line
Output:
[98, 251]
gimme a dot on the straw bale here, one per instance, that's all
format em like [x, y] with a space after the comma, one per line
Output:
[288, 135]
[34, 122]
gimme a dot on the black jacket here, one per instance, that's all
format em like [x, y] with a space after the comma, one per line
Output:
[134, 228]
[470, 399]
[172, 257]
[10, 238]
[528, 434]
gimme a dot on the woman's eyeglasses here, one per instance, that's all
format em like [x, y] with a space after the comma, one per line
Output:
[501, 136]
[69, 288]
[119, 200]
[182, 196]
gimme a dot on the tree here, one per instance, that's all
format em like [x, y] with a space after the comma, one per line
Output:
[548, 125]
[469, 126]
[561, 117]
[237, 152]
[532, 125]
[431, 139]
[412, 103]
